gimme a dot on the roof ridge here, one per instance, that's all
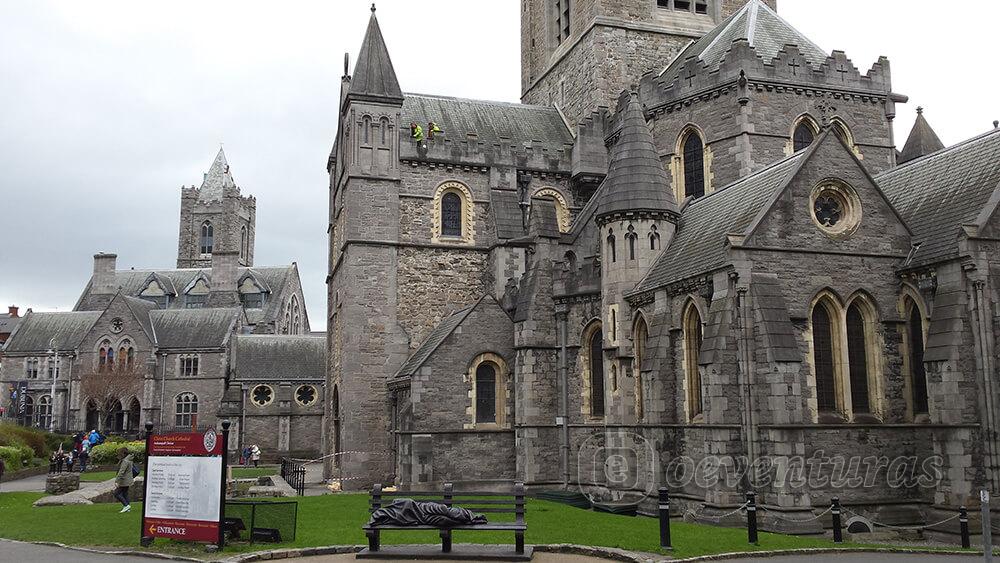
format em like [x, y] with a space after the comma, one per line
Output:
[478, 100]
[792, 27]
[940, 152]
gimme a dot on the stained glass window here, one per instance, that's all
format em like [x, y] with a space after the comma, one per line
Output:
[486, 393]
[803, 137]
[828, 209]
[694, 166]
[451, 215]
[823, 357]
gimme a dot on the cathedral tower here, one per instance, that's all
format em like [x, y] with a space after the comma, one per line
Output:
[216, 218]
[579, 54]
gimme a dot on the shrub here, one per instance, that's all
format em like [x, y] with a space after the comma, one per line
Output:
[16, 457]
[107, 453]
[14, 435]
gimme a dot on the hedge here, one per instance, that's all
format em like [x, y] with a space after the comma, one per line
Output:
[16, 457]
[107, 453]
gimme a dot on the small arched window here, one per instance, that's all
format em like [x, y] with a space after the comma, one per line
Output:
[595, 357]
[486, 393]
[126, 354]
[612, 253]
[106, 356]
[802, 137]
[631, 236]
[823, 358]
[186, 410]
[383, 131]
[296, 317]
[451, 215]
[915, 328]
[207, 237]
[693, 336]
[857, 352]
[694, 166]
[366, 128]
[639, 336]
[654, 238]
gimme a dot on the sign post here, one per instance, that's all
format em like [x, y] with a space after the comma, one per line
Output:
[184, 497]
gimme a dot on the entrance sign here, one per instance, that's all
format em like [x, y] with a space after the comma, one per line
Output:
[185, 485]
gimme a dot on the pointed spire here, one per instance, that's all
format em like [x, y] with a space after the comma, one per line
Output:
[636, 179]
[922, 140]
[217, 178]
[374, 77]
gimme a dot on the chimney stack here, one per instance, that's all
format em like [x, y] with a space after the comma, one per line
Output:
[12, 311]
[224, 272]
[103, 281]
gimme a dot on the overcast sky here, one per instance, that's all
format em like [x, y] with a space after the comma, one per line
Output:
[108, 107]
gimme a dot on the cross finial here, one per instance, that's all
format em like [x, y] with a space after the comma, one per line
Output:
[373, 7]
[920, 110]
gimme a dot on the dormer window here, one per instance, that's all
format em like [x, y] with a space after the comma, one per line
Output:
[252, 296]
[196, 295]
[155, 293]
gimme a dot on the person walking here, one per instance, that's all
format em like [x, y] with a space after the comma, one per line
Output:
[124, 479]
[255, 454]
[84, 455]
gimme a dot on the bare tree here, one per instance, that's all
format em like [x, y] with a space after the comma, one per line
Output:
[111, 387]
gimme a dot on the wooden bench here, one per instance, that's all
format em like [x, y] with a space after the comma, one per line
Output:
[476, 501]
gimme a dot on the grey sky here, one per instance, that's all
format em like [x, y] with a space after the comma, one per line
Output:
[108, 107]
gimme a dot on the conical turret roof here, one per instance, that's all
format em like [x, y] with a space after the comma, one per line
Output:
[636, 179]
[374, 77]
[217, 178]
[922, 140]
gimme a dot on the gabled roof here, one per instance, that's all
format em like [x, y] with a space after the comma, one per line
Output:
[278, 358]
[762, 27]
[217, 178]
[38, 332]
[922, 140]
[700, 242]
[506, 214]
[938, 193]
[434, 339]
[193, 328]
[490, 122]
[636, 179]
[374, 77]
[140, 309]
[8, 323]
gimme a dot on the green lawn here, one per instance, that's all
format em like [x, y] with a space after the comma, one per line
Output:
[238, 473]
[337, 519]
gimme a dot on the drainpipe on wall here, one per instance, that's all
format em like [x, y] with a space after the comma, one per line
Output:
[563, 421]
[243, 414]
[163, 386]
[746, 335]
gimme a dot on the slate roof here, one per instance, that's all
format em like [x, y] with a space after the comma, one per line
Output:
[543, 220]
[636, 178]
[506, 213]
[491, 122]
[373, 75]
[8, 323]
[921, 142]
[193, 328]
[699, 244]
[131, 282]
[434, 339]
[141, 308]
[774, 323]
[279, 358]
[35, 331]
[765, 30]
[940, 192]
[217, 178]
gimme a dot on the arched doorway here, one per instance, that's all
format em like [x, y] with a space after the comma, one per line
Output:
[93, 416]
[133, 416]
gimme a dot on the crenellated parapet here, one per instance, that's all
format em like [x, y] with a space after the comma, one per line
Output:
[790, 71]
[474, 152]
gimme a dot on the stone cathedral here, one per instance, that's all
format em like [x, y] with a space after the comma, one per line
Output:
[694, 245]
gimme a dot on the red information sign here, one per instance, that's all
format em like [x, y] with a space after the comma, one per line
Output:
[184, 489]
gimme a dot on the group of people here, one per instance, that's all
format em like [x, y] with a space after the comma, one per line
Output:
[78, 455]
[250, 454]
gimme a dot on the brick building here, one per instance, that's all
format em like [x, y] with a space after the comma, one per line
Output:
[694, 241]
[179, 347]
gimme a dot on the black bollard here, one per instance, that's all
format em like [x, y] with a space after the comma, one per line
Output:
[838, 533]
[963, 524]
[664, 506]
[751, 518]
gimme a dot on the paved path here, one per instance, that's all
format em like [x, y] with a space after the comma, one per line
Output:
[27, 552]
[851, 558]
[34, 484]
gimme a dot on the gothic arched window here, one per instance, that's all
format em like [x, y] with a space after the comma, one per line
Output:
[918, 376]
[639, 335]
[486, 393]
[693, 336]
[451, 215]
[654, 238]
[612, 253]
[126, 354]
[207, 237]
[596, 359]
[823, 358]
[857, 353]
[631, 236]
[803, 137]
[694, 166]
[383, 131]
[186, 410]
